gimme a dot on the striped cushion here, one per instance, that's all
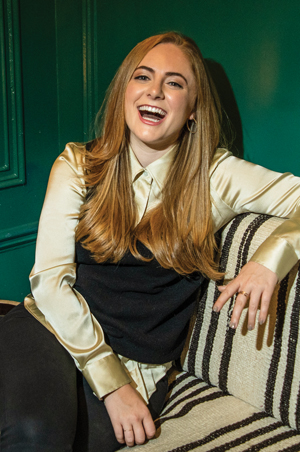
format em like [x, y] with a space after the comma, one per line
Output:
[261, 367]
[200, 417]
[240, 389]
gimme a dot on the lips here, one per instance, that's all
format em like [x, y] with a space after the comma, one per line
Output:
[151, 115]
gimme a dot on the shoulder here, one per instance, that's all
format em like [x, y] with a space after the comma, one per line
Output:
[221, 155]
[73, 156]
[68, 169]
[226, 166]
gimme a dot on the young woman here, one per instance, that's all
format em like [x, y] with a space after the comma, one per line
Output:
[126, 237]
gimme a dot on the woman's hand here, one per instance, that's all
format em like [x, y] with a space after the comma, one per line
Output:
[129, 415]
[255, 283]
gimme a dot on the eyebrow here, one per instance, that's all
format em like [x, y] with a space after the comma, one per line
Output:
[167, 73]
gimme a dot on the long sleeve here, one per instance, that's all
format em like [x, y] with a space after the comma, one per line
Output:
[238, 186]
[53, 301]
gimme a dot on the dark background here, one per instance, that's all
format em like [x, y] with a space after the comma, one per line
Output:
[58, 57]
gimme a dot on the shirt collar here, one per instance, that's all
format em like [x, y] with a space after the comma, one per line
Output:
[158, 169]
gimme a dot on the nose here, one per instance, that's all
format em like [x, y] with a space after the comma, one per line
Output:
[155, 90]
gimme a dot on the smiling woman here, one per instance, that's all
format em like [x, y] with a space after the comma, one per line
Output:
[159, 99]
[125, 240]
[168, 72]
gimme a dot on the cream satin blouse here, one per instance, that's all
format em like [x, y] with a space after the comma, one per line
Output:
[237, 186]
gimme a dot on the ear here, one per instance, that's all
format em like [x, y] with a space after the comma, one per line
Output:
[192, 116]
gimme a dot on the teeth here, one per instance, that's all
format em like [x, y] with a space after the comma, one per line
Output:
[153, 120]
[152, 110]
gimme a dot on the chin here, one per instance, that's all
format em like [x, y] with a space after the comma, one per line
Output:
[158, 146]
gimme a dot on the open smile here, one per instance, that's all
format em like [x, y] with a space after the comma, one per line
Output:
[151, 115]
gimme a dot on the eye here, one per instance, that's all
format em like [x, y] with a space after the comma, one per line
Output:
[141, 77]
[175, 84]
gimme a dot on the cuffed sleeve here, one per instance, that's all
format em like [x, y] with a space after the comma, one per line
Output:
[54, 302]
[107, 374]
[238, 186]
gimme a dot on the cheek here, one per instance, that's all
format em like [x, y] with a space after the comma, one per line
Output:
[132, 93]
[189, 107]
[182, 105]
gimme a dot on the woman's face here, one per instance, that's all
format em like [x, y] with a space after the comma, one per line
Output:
[159, 98]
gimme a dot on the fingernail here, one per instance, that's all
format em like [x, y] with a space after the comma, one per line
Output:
[232, 325]
[261, 322]
[250, 327]
[216, 308]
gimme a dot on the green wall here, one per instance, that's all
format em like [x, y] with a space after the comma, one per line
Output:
[63, 53]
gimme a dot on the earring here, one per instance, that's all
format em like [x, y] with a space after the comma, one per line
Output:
[193, 127]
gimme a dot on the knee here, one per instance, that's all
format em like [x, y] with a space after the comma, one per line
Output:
[37, 433]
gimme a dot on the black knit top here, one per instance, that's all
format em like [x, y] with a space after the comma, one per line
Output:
[144, 309]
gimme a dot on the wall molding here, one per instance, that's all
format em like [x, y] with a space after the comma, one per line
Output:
[12, 160]
[90, 66]
[18, 236]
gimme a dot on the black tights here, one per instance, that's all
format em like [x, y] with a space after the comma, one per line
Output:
[45, 403]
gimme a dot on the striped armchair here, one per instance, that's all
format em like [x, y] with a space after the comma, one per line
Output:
[239, 390]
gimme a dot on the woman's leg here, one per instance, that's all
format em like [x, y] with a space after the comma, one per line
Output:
[94, 429]
[38, 393]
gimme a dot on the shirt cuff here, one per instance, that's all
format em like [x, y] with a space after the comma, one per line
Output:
[105, 375]
[277, 255]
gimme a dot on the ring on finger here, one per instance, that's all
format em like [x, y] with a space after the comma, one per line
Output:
[243, 293]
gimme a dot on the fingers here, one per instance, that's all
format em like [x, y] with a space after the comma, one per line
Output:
[226, 293]
[264, 308]
[138, 432]
[119, 433]
[252, 309]
[149, 426]
[254, 285]
[240, 303]
[255, 299]
[130, 416]
[129, 436]
[138, 436]
[241, 300]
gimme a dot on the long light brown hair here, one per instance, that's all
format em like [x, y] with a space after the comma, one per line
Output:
[178, 231]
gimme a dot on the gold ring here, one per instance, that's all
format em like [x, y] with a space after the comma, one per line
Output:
[243, 293]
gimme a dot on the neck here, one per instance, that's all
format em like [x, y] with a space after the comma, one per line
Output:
[146, 154]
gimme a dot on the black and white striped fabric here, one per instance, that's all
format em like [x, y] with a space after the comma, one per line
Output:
[239, 390]
[201, 417]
